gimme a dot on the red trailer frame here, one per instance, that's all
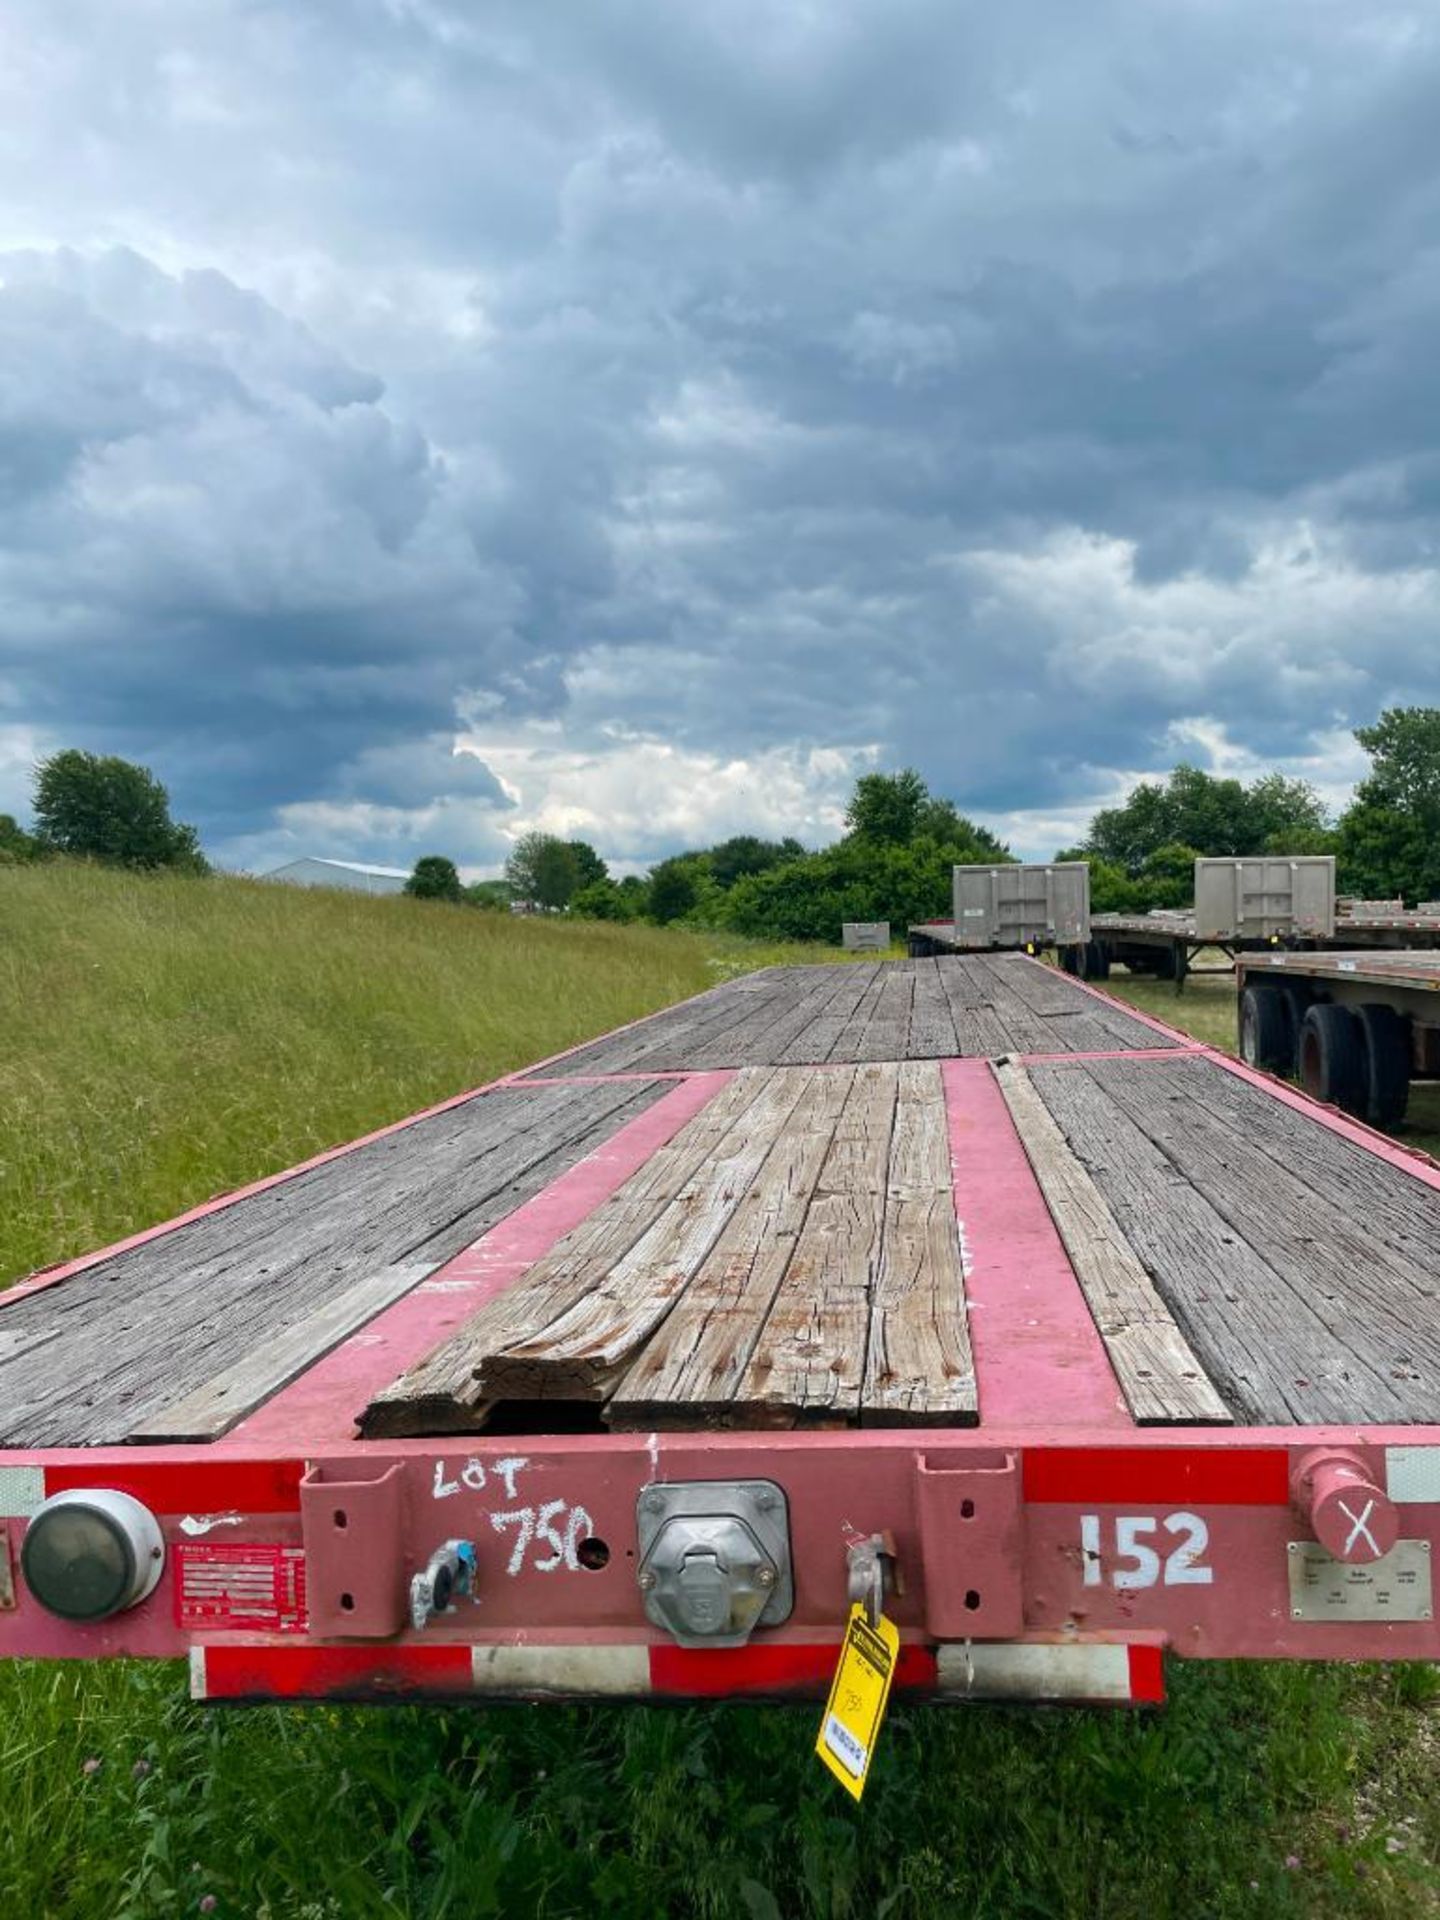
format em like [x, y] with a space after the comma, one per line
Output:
[1054, 1551]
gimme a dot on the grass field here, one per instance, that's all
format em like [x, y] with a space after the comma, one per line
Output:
[165, 1039]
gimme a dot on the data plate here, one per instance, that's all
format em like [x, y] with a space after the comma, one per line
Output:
[7, 1577]
[1394, 1587]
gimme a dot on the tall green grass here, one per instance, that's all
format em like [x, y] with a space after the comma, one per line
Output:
[162, 1039]
[166, 1038]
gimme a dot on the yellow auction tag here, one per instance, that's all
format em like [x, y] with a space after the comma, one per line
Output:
[858, 1695]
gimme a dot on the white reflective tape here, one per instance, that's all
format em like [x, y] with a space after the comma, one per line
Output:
[996, 1670]
[22, 1492]
[1412, 1475]
[624, 1670]
[197, 1673]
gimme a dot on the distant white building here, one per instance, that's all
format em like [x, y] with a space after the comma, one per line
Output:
[354, 876]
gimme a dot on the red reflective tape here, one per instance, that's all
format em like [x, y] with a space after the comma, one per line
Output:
[1147, 1675]
[1158, 1476]
[224, 1486]
[290, 1673]
[711, 1672]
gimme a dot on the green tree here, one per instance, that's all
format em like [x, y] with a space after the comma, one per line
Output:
[745, 853]
[589, 867]
[103, 808]
[604, 900]
[1192, 808]
[1389, 837]
[544, 869]
[16, 846]
[1167, 878]
[491, 896]
[1288, 816]
[887, 807]
[673, 891]
[434, 878]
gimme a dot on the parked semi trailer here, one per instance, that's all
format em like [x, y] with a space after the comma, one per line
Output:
[1354, 1028]
[948, 1286]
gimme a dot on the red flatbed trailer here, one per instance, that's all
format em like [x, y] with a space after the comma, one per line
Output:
[1242, 1461]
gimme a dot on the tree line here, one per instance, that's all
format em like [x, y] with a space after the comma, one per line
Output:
[1386, 843]
[893, 862]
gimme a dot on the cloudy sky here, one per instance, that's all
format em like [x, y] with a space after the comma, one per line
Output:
[420, 422]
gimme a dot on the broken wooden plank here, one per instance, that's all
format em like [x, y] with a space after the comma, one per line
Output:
[442, 1387]
[214, 1407]
[580, 1353]
[687, 1375]
[1159, 1374]
[919, 1369]
[809, 1360]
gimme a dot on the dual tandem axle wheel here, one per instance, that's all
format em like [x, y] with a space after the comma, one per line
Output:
[1355, 1058]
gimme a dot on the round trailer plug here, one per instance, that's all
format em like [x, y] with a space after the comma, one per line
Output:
[90, 1553]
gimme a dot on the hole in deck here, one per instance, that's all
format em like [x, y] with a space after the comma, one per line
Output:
[545, 1416]
[972, 1601]
[593, 1554]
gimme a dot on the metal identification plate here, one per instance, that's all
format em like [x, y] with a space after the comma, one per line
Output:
[1395, 1587]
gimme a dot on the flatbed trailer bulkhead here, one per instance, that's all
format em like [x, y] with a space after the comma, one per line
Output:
[617, 1377]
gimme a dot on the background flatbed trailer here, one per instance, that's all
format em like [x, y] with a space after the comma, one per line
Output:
[1165, 943]
[619, 1377]
[1354, 1028]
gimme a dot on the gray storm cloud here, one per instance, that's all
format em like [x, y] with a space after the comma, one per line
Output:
[689, 406]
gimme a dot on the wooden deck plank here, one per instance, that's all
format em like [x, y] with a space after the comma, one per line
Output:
[214, 1407]
[1402, 1212]
[1160, 1376]
[769, 1022]
[848, 1046]
[932, 1028]
[688, 1375]
[580, 1353]
[155, 1323]
[813, 1042]
[978, 1031]
[1273, 1344]
[887, 1033]
[443, 1386]
[1391, 1295]
[809, 1361]
[919, 1368]
[801, 1019]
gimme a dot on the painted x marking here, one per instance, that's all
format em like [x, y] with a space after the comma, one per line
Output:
[1358, 1529]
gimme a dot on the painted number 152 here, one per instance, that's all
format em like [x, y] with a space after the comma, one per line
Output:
[1144, 1550]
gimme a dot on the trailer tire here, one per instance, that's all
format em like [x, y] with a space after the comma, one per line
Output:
[1386, 1035]
[1332, 1057]
[1167, 963]
[1096, 960]
[1267, 1030]
[1072, 959]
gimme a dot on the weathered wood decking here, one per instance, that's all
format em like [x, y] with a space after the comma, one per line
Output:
[1303, 1270]
[791, 1256]
[970, 1006]
[179, 1337]
[794, 1253]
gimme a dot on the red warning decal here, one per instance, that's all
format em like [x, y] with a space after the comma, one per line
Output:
[248, 1589]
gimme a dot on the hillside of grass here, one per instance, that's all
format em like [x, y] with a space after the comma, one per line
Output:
[166, 1038]
[163, 1039]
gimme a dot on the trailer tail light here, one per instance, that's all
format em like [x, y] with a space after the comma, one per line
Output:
[90, 1553]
